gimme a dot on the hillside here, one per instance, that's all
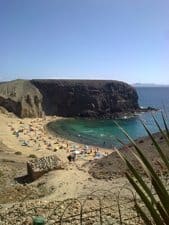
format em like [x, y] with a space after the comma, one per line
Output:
[68, 98]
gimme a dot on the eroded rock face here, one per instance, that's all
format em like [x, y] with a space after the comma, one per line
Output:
[102, 99]
[68, 98]
[21, 98]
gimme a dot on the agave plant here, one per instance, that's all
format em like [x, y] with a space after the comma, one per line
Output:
[157, 205]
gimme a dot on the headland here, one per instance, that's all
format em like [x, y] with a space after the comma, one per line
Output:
[69, 98]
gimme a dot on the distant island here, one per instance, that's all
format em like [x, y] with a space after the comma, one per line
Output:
[149, 85]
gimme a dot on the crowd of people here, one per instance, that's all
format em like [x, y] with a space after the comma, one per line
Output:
[34, 135]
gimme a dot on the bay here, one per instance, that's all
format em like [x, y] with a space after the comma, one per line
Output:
[104, 133]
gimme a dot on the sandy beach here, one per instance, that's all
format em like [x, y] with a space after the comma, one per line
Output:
[23, 139]
[29, 137]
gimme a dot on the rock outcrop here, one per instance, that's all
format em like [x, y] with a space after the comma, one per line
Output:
[21, 98]
[37, 167]
[86, 98]
[69, 98]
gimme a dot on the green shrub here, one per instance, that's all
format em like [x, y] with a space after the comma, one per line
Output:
[157, 207]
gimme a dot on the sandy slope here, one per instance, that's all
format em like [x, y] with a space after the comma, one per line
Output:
[71, 182]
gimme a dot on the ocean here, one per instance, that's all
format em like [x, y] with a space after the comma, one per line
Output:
[104, 133]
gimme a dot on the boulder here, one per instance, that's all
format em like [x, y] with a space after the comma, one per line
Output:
[39, 166]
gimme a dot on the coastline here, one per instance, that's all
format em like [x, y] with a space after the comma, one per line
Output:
[77, 180]
[78, 145]
[70, 182]
[70, 131]
[13, 143]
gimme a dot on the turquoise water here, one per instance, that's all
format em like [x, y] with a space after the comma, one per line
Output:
[104, 133]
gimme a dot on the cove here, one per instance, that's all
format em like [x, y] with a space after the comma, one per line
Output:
[103, 133]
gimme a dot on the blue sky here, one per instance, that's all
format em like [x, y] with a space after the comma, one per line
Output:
[124, 40]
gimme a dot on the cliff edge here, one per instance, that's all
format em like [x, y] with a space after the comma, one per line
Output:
[22, 98]
[68, 98]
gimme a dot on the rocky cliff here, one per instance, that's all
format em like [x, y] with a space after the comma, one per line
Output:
[21, 98]
[69, 98]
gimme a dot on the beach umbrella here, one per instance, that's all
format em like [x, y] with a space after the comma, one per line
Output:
[86, 147]
[76, 152]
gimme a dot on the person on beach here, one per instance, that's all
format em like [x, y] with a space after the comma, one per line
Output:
[17, 134]
[69, 158]
[72, 157]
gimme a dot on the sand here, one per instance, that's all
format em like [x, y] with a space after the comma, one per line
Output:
[86, 175]
[79, 178]
[74, 180]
